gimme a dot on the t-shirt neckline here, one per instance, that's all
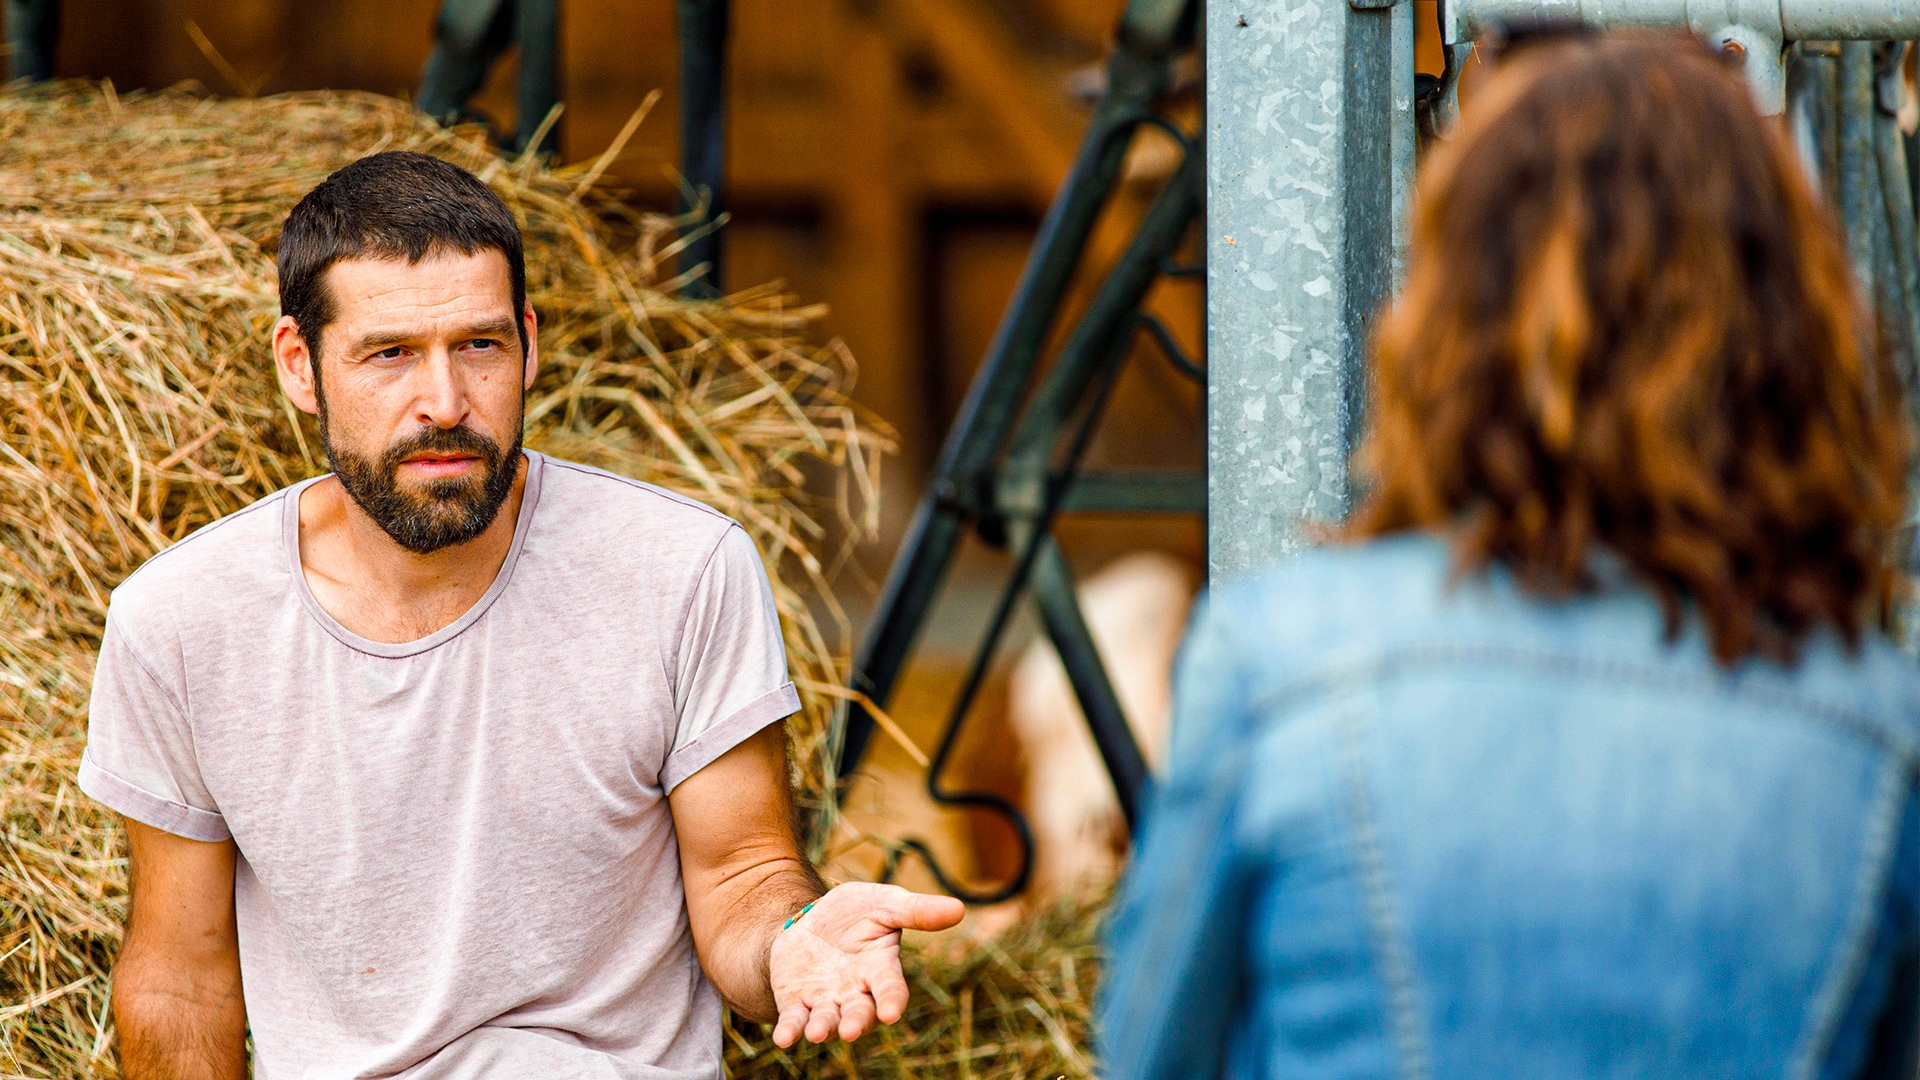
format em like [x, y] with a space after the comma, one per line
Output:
[290, 537]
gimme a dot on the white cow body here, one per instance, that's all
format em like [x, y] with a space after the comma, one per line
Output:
[1136, 608]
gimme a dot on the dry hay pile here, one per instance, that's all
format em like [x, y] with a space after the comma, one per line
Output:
[137, 403]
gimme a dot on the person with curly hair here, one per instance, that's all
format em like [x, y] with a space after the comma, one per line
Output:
[1587, 751]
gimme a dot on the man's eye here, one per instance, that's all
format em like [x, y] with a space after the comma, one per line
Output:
[392, 352]
[483, 343]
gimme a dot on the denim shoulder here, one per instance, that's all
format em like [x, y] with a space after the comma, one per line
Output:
[1256, 633]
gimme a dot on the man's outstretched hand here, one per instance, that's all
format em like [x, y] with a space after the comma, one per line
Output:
[838, 967]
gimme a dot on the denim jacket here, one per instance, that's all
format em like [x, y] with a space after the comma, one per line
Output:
[1421, 829]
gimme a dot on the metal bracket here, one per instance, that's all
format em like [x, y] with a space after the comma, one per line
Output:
[1443, 100]
[1760, 57]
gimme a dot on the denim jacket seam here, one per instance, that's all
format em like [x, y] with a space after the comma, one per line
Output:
[1828, 1005]
[1326, 681]
[1403, 1006]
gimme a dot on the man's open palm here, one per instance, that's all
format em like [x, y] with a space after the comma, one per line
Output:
[838, 967]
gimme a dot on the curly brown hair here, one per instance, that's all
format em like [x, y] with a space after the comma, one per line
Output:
[1630, 324]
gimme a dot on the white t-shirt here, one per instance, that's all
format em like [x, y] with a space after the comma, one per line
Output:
[456, 855]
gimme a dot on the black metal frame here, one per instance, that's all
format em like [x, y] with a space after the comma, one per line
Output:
[1008, 469]
[703, 136]
[472, 34]
[469, 36]
[33, 36]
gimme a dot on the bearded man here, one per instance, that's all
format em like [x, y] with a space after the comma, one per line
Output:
[462, 761]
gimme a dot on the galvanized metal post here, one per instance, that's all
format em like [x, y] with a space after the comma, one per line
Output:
[1859, 207]
[1405, 136]
[1301, 103]
[1902, 287]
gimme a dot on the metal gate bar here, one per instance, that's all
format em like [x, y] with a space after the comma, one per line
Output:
[703, 137]
[1007, 469]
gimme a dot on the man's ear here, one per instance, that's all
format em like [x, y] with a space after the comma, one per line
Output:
[532, 366]
[293, 365]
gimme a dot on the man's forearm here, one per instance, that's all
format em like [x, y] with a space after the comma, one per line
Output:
[179, 1025]
[765, 897]
[837, 971]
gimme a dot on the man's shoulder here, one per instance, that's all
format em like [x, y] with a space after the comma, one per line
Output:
[213, 567]
[596, 503]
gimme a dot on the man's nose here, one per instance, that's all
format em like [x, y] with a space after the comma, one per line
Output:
[441, 400]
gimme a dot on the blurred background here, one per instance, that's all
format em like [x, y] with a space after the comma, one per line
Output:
[890, 159]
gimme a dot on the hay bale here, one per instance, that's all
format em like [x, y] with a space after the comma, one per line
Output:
[137, 289]
[137, 403]
[62, 867]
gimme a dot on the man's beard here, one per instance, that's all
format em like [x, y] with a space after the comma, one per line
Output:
[443, 512]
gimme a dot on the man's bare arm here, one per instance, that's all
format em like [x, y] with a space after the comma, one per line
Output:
[176, 987]
[742, 866]
[836, 968]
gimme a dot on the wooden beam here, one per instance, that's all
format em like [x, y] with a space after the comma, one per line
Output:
[1030, 107]
[873, 220]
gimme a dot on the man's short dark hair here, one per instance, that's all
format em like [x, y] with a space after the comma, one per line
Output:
[392, 205]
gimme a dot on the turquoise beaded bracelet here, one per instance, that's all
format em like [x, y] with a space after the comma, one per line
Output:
[797, 915]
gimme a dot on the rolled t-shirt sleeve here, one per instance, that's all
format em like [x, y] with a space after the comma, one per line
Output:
[140, 758]
[731, 678]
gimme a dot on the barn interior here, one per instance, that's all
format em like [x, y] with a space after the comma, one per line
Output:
[893, 162]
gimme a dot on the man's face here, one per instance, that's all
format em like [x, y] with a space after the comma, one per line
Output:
[420, 392]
